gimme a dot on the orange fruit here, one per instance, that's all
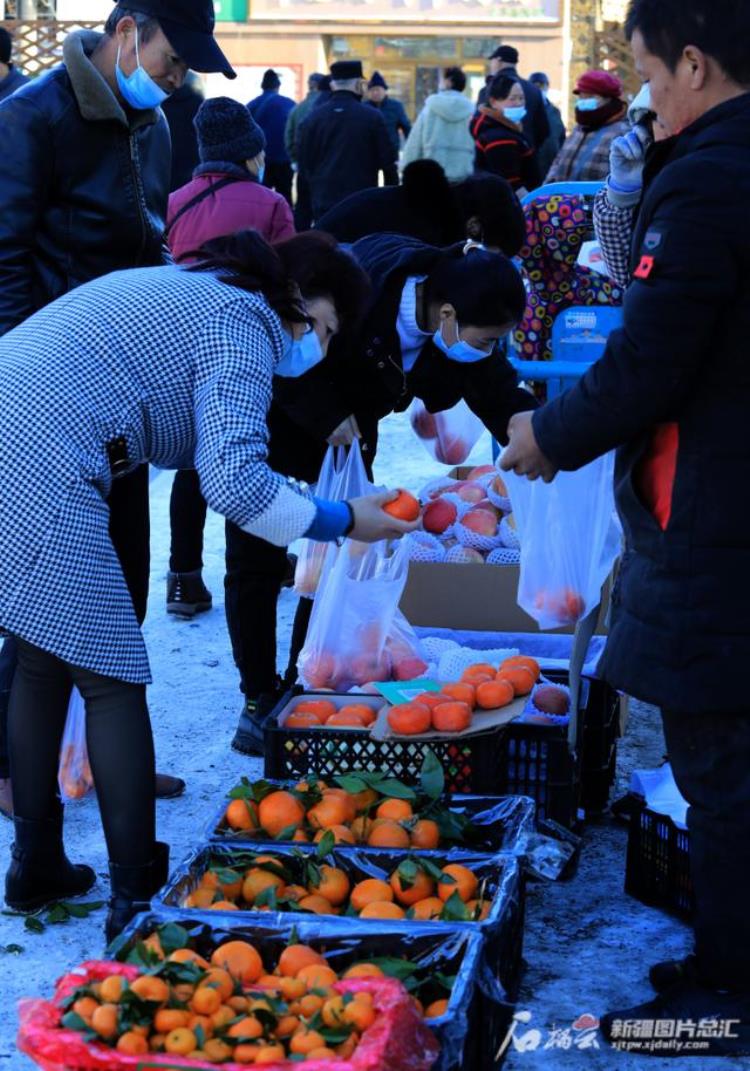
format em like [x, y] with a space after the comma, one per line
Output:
[132, 1043]
[242, 814]
[217, 1051]
[305, 1040]
[364, 800]
[346, 717]
[247, 1053]
[300, 837]
[85, 1007]
[520, 677]
[300, 719]
[394, 809]
[436, 1009]
[104, 1020]
[332, 1011]
[321, 708]
[286, 1026]
[247, 1027]
[462, 693]
[295, 957]
[409, 893]
[181, 1041]
[220, 980]
[363, 970]
[110, 989]
[361, 828]
[222, 1016]
[257, 881]
[223, 905]
[382, 909]
[465, 882]
[430, 699]
[369, 891]
[305, 786]
[295, 892]
[405, 507]
[148, 987]
[317, 904]
[523, 660]
[331, 811]
[240, 959]
[346, 1048]
[292, 988]
[153, 943]
[279, 811]
[168, 1019]
[451, 717]
[202, 897]
[479, 669]
[365, 712]
[206, 1000]
[267, 1054]
[387, 834]
[429, 908]
[202, 1021]
[186, 955]
[409, 719]
[333, 884]
[317, 975]
[497, 693]
[346, 799]
[342, 835]
[323, 1053]
[360, 1014]
[425, 834]
[478, 909]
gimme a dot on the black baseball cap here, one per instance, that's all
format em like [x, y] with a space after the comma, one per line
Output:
[189, 25]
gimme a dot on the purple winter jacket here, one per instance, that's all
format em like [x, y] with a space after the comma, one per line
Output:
[243, 205]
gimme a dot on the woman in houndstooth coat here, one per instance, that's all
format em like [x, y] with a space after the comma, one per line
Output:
[159, 365]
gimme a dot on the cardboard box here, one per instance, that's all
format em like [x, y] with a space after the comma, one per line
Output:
[482, 598]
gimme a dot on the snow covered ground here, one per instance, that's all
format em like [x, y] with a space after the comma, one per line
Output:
[588, 946]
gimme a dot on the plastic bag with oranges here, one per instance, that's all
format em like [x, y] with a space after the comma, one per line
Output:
[74, 774]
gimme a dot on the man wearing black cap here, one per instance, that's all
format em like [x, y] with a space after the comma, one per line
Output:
[343, 145]
[394, 116]
[535, 123]
[11, 78]
[84, 182]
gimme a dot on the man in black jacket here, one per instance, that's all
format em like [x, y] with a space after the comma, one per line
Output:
[671, 394]
[535, 123]
[343, 144]
[84, 182]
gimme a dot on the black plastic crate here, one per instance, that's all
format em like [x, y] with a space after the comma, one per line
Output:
[500, 822]
[657, 871]
[455, 955]
[502, 930]
[535, 761]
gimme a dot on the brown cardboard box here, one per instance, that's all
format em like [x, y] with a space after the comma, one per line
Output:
[477, 597]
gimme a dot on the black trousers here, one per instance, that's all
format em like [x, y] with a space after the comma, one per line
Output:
[254, 574]
[303, 217]
[390, 175]
[130, 532]
[279, 177]
[187, 517]
[119, 741]
[710, 756]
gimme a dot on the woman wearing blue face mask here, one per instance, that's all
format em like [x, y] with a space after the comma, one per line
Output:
[501, 146]
[601, 116]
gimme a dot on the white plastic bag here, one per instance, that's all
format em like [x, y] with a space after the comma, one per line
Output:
[353, 616]
[342, 476]
[570, 539]
[448, 436]
[74, 776]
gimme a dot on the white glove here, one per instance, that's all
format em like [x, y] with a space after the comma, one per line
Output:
[627, 155]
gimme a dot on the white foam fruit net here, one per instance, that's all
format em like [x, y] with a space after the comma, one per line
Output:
[452, 663]
[503, 556]
[424, 547]
[509, 535]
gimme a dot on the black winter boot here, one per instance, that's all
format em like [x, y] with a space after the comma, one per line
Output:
[669, 972]
[40, 872]
[249, 736]
[187, 595]
[133, 887]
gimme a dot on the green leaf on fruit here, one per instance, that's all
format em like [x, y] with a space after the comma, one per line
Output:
[395, 967]
[173, 936]
[454, 910]
[432, 870]
[408, 872]
[326, 844]
[431, 776]
[352, 783]
[396, 790]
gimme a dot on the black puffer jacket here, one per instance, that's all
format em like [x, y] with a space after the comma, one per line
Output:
[83, 186]
[672, 394]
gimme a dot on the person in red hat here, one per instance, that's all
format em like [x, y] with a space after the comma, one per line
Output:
[601, 116]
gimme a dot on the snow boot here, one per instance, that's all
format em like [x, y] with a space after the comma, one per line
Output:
[671, 971]
[40, 872]
[248, 738]
[187, 595]
[133, 887]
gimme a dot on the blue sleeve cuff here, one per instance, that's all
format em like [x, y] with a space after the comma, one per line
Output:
[331, 521]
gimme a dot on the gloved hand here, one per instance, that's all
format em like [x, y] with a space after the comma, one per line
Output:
[627, 156]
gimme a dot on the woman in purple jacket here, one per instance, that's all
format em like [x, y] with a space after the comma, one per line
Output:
[226, 196]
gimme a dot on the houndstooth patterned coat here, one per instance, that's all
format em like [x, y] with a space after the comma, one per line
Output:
[180, 365]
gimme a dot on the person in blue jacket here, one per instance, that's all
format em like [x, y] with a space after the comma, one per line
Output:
[270, 111]
[671, 395]
[11, 78]
[395, 117]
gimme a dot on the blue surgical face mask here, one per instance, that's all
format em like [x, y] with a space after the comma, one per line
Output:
[459, 351]
[588, 104]
[261, 173]
[300, 355]
[138, 89]
[516, 115]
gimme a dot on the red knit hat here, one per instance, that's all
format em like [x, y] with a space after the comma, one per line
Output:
[601, 83]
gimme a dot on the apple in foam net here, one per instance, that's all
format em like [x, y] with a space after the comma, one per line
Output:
[480, 470]
[480, 521]
[465, 556]
[438, 516]
[470, 492]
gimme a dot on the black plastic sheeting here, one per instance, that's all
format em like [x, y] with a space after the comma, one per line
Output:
[502, 824]
[473, 999]
[501, 933]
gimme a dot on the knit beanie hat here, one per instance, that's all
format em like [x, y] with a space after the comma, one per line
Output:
[6, 44]
[227, 131]
[377, 80]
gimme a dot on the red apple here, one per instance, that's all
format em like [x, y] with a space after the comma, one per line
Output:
[319, 670]
[486, 504]
[424, 424]
[464, 556]
[470, 492]
[451, 451]
[498, 486]
[480, 470]
[366, 668]
[550, 699]
[408, 669]
[480, 521]
[438, 516]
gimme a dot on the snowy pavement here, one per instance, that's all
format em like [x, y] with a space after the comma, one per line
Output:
[587, 946]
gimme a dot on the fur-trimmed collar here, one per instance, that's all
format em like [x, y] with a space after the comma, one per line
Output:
[95, 99]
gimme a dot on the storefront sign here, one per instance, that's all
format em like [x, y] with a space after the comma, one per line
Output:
[409, 10]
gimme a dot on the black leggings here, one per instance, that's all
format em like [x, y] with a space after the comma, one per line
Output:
[187, 519]
[120, 746]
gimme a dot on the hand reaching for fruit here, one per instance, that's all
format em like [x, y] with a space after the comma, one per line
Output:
[522, 455]
[373, 521]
